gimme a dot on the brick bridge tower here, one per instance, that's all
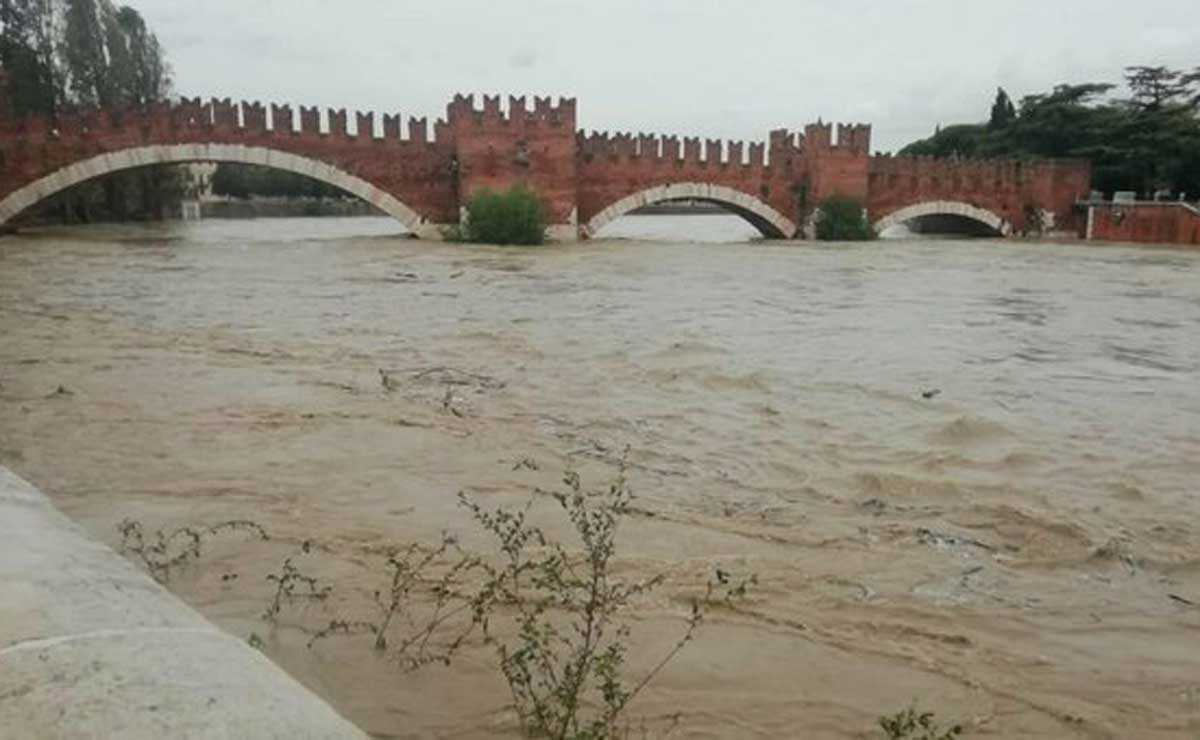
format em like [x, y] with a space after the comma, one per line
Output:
[496, 150]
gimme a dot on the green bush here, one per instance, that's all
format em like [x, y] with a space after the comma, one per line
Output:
[843, 219]
[517, 216]
[912, 724]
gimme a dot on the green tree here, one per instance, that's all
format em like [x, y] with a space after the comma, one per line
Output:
[60, 54]
[1155, 87]
[226, 182]
[243, 181]
[1192, 81]
[843, 219]
[1003, 111]
[118, 73]
[147, 78]
[138, 76]
[83, 52]
[27, 57]
[1145, 142]
[517, 216]
[962, 140]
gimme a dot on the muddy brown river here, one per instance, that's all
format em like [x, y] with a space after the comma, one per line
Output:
[1019, 552]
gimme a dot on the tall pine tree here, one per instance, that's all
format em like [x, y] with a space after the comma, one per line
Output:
[1003, 111]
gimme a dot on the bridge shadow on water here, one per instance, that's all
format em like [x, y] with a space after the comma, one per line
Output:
[949, 226]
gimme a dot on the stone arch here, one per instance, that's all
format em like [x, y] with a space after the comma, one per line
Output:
[125, 159]
[770, 222]
[944, 208]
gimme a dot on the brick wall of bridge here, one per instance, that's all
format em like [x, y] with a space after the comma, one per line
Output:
[579, 175]
[836, 166]
[416, 168]
[612, 167]
[1147, 223]
[1011, 189]
[497, 149]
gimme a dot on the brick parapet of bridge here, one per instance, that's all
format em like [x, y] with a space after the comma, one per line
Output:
[1013, 189]
[544, 114]
[1143, 222]
[578, 174]
[614, 166]
[244, 119]
[419, 173]
[668, 151]
[853, 138]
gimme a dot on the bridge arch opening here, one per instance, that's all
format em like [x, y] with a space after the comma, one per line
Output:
[771, 224]
[948, 218]
[109, 163]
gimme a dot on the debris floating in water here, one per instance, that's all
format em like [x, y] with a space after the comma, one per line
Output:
[389, 383]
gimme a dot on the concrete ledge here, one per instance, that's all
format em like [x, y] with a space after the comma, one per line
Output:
[92, 648]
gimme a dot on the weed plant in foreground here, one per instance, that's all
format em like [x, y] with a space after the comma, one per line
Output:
[552, 610]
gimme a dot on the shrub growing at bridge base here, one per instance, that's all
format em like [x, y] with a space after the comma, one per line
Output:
[843, 219]
[516, 216]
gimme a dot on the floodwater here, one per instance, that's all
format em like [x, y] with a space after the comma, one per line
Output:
[1019, 553]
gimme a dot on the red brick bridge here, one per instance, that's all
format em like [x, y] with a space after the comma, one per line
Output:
[422, 177]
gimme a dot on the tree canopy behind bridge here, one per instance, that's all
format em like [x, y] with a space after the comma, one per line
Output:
[56, 55]
[59, 54]
[1145, 140]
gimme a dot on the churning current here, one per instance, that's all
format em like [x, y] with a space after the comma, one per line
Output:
[964, 473]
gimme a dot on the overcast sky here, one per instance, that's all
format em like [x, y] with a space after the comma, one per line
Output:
[717, 68]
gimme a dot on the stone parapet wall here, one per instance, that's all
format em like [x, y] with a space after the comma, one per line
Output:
[92, 648]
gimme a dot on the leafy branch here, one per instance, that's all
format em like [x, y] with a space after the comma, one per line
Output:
[165, 551]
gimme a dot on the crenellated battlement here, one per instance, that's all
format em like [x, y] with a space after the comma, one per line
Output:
[855, 137]
[782, 140]
[545, 112]
[851, 138]
[894, 171]
[665, 149]
[225, 115]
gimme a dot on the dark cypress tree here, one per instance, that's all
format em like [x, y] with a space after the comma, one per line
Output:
[1003, 111]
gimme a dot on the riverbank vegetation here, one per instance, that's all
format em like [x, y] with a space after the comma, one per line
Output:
[1144, 137]
[61, 55]
[517, 216]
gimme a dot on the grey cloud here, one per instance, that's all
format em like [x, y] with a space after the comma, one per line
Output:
[523, 59]
[709, 68]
